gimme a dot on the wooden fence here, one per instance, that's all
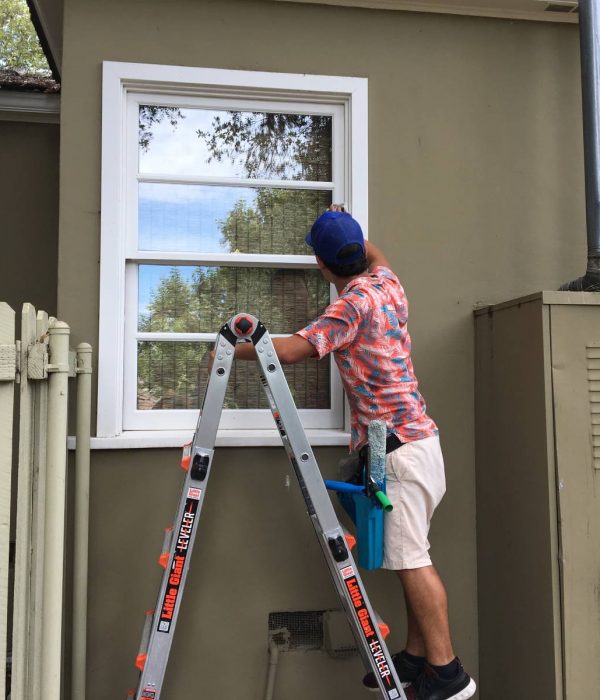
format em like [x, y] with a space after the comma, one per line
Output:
[38, 366]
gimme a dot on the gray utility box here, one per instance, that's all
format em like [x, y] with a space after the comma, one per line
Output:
[538, 497]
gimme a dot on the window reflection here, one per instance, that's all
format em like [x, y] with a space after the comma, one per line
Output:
[190, 299]
[173, 375]
[220, 143]
[211, 219]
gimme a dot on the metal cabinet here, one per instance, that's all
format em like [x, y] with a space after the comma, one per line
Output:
[537, 394]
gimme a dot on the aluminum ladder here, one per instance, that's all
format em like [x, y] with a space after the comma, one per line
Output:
[160, 625]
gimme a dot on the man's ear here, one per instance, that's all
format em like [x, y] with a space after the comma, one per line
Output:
[320, 263]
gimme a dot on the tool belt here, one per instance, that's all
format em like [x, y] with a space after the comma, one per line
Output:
[392, 443]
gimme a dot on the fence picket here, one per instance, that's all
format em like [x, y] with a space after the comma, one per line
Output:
[7, 338]
[39, 515]
[24, 610]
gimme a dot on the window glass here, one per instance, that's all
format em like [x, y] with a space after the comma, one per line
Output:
[234, 144]
[173, 375]
[194, 299]
[213, 219]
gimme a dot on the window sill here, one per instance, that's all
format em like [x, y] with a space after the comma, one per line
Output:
[142, 439]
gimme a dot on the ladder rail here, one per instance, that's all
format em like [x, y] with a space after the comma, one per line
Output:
[153, 663]
[341, 564]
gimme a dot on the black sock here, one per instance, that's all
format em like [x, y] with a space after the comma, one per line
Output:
[416, 660]
[449, 671]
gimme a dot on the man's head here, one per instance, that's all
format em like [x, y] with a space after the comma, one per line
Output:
[337, 239]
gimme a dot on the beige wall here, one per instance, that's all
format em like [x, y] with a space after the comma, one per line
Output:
[29, 205]
[475, 194]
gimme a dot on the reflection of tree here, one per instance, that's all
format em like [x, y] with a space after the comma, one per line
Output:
[149, 115]
[288, 146]
[276, 223]
[265, 144]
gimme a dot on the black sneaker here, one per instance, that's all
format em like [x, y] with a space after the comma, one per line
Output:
[429, 686]
[407, 671]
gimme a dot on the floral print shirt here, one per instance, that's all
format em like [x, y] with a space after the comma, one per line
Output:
[366, 329]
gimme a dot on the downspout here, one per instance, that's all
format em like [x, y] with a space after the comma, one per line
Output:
[589, 36]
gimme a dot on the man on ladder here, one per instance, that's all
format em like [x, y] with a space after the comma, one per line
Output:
[366, 329]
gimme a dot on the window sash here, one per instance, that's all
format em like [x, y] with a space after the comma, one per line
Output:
[125, 85]
[185, 419]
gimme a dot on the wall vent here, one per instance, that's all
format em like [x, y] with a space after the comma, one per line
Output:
[311, 630]
[593, 368]
[301, 630]
[560, 6]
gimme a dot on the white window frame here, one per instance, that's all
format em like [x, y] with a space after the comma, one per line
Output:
[125, 85]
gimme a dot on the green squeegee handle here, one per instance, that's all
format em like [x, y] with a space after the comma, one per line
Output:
[384, 500]
[381, 497]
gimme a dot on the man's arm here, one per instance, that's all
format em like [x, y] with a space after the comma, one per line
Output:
[374, 256]
[289, 350]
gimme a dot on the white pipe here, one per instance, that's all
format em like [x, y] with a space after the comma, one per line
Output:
[272, 671]
[54, 534]
[81, 519]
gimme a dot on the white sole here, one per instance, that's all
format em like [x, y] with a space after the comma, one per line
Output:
[465, 693]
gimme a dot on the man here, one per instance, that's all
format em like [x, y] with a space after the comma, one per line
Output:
[366, 329]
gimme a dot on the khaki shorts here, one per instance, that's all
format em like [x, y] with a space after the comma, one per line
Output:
[415, 483]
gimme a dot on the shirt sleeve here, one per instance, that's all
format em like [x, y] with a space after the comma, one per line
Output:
[386, 273]
[335, 329]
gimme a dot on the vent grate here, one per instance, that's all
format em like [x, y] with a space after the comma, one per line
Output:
[301, 630]
[561, 6]
[593, 368]
[312, 630]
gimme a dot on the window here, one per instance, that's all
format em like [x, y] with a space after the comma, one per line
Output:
[210, 182]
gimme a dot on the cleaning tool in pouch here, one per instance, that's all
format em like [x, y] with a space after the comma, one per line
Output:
[363, 497]
[370, 507]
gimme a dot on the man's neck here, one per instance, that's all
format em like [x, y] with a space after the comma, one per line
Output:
[341, 282]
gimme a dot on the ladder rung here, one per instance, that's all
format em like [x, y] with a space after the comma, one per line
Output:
[186, 457]
[163, 559]
[384, 628]
[350, 538]
[140, 661]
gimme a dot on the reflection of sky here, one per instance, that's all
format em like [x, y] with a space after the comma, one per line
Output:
[178, 150]
[186, 217]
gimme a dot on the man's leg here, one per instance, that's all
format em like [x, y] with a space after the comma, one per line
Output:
[427, 612]
[415, 644]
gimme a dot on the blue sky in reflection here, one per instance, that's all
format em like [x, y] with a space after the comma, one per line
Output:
[186, 217]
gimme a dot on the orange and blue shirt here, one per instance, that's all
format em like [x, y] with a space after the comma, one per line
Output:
[366, 329]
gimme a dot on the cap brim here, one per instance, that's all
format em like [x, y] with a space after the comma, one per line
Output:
[308, 240]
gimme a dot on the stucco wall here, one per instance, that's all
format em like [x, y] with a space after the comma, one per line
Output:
[29, 204]
[476, 195]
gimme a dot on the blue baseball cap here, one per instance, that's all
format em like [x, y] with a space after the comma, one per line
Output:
[331, 233]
